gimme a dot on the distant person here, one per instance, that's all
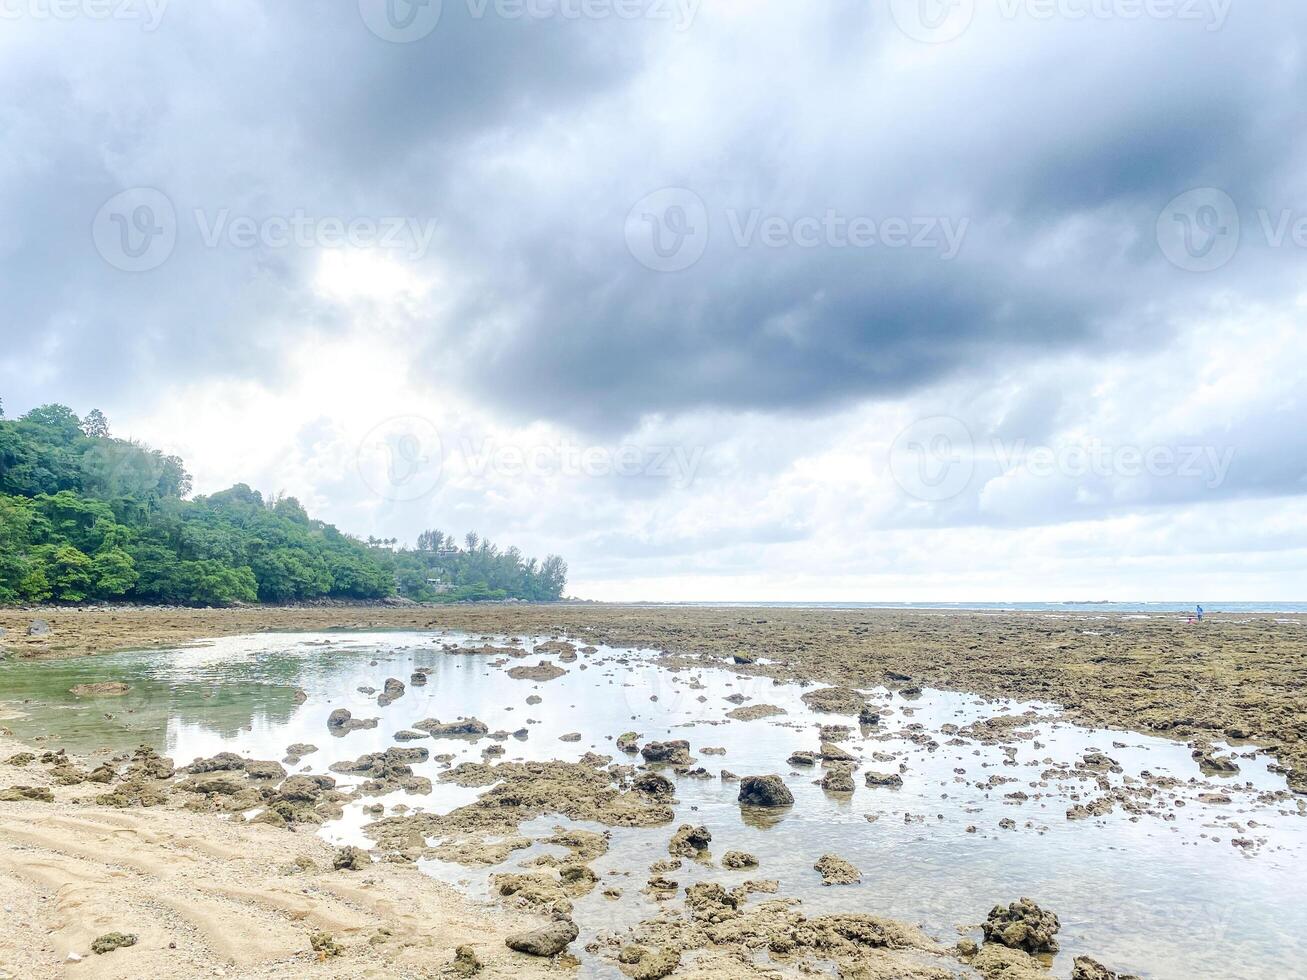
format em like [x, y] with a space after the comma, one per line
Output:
[1200, 614]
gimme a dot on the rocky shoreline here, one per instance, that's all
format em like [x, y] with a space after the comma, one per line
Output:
[704, 929]
[1228, 677]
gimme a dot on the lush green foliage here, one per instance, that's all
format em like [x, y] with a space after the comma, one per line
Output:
[86, 516]
[438, 570]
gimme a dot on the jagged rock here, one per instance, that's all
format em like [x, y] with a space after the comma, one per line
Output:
[463, 728]
[655, 964]
[830, 752]
[1085, 968]
[341, 721]
[769, 791]
[111, 941]
[37, 794]
[654, 786]
[836, 700]
[38, 627]
[892, 780]
[1022, 925]
[391, 691]
[689, 841]
[835, 870]
[754, 712]
[738, 860]
[629, 742]
[350, 859]
[222, 762]
[466, 963]
[543, 671]
[838, 781]
[675, 752]
[549, 941]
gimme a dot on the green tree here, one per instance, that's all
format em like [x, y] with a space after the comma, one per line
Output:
[113, 572]
[67, 570]
[95, 425]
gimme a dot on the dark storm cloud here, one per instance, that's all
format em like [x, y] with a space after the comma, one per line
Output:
[1058, 152]
[258, 110]
[1051, 148]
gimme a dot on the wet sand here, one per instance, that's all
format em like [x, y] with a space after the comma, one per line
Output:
[1234, 677]
[206, 896]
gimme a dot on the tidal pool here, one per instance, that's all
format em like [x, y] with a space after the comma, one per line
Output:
[1156, 887]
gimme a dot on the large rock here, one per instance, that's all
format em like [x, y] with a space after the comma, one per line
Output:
[836, 700]
[39, 627]
[689, 841]
[391, 691]
[875, 779]
[463, 728]
[1090, 969]
[834, 870]
[839, 780]
[543, 671]
[676, 752]
[549, 941]
[341, 722]
[1022, 925]
[654, 786]
[765, 791]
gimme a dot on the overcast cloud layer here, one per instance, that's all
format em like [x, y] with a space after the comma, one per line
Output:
[853, 300]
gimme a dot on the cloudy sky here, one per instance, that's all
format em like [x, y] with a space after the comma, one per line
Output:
[719, 299]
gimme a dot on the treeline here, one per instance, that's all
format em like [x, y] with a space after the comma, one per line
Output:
[438, 570]
[85, 516]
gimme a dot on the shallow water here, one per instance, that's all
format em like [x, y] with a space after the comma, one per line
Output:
[1160, 893]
